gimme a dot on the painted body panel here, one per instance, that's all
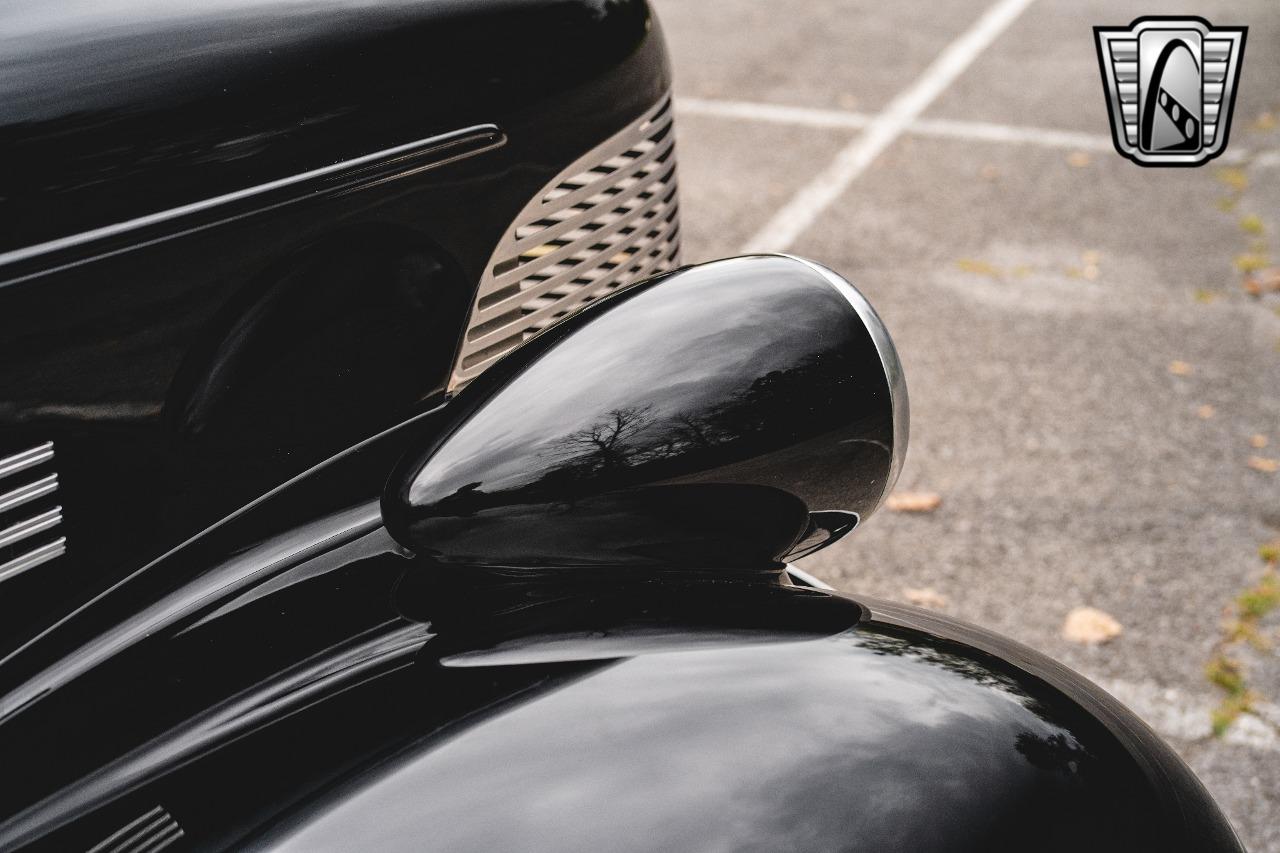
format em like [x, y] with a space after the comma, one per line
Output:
[754, 731]
[881, 737]
[184, 364]
[297, 678]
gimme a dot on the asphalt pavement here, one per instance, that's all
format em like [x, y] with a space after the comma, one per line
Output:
[1089, 376]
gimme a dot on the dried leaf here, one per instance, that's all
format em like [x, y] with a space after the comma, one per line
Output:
[1205, 296]
[1234, 178]
[1206, 411]
[1263, 464]
[978, 267]
[1180, 368]
[925, 596]
[1251, 224]
[914, 501]
[1078, 159]
[1251, 262]
[1258, 440]
[1263, 281]
[1090, 626]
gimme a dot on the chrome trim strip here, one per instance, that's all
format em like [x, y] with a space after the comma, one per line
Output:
[43, 554]
[889, 360]
[486, 137]
[31, 526]
[254, 565]
[807, 579]
[44, 486]
[384, 649]
[149, 833]
[132, 828]
[171, 834]
[26, 459]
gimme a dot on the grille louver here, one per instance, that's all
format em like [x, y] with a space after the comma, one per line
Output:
[609, 220]
[152, 832]
[29, 517]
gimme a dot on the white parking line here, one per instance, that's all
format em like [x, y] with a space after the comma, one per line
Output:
[808, 204]
[983, 132]
[976, 131]
[774, 113]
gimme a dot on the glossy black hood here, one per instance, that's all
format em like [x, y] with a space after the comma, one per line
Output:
[114, 110]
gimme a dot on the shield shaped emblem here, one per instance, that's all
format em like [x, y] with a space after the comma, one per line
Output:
[1170, 86]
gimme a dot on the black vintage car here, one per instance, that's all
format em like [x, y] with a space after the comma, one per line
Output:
[370, 477]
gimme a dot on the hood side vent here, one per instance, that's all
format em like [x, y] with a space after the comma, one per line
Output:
[154, 831]
[30, 516]
[607, 221]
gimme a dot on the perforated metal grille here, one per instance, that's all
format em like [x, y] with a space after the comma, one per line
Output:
[607, 221]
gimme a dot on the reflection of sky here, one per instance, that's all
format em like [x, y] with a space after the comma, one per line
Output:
[679, 355]
[82, 48]
[104, 35]
[792, 746]
[28, 19]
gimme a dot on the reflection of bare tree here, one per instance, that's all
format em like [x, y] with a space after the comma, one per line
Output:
[928, 651]
[1056, 753]
[607, 444]
[632, 437]
[637, 444]
[693, 431]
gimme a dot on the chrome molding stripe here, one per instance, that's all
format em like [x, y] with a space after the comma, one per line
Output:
[151, 832]
[250, 568]
[380, 651]
[23, 494]
[803, 578]
[378, 167]
[608, 220]
[30, 560]
[26, 459]
[14, 531]
[889, 361]
[31, 526]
